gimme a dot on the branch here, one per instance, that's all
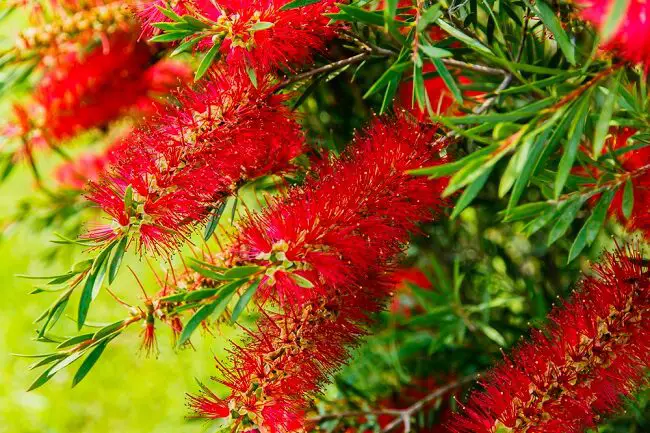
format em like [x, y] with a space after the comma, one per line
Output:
[358, 58]
[405, 414]
[402, 415]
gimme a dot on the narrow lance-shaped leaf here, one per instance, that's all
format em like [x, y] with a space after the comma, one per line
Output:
[628, 199]
[90, 361]
[470, 193]
[571, 148]
[207, 61]
[605, 117]
[244, 300]
[566, 217]
[592, 226]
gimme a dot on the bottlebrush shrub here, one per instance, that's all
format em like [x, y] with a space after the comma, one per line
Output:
[186, 160]
[595, 351]
[328, 250]
[83, 91]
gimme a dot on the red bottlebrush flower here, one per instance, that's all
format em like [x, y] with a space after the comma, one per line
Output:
[261, 36]
[188, 158]
[90, 91]
[328, 248]
[631, 41]
[358, 207]
[594, 351]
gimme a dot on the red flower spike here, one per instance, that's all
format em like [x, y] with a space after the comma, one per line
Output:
[188, 158]
[329, 249]
[631, 41]
[594, 351]
[89, 91]
[260, 36]
[357, 210]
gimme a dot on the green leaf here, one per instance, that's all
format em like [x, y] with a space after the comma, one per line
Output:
[75, 340]
[389, 94]
[361, 15]
[260, 25]
[470, 42]
[218, 306]
[48, 360]
[128, 199]
[41, 380]
[605, 117]
[198, 295]
[564, 220]
[492, 333]
[592, 226]
[615, 16]
[419, 91]
[171, 36]
[169, 13]
[117, 259]
[225, 295]
[213, 222]
[65, 362]
[434, 52]
[244, 300]
[207, 61]
[448, 79]
[208, 273]
[201, 314]
[528, 169]
[93, 283]
[108, 330]
[551, 21]
[298, 4]
[301, 281]
[90, 361]
[252, 75]
[571, 148]
[186, 46]
[428, 16]
[241, 272]
[525, 211]
[395, 71]
[195, 23]
[515, 166]
[176, 297]
[628, 199]
[470, 193]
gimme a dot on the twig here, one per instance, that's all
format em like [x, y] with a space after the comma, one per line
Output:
[473, 67]
[405, 414]
[324, 69]
[402, 415]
